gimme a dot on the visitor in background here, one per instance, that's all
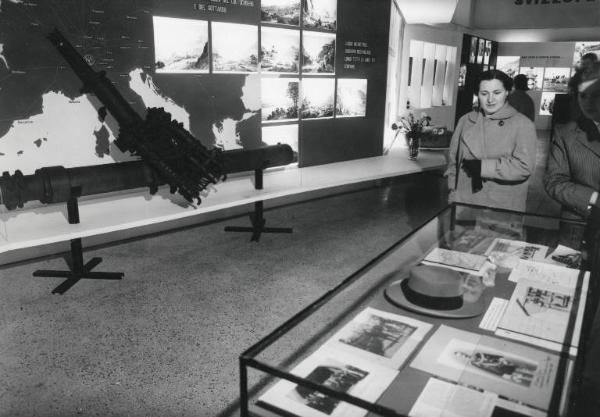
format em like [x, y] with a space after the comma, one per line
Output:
[519, 98]
[492, 152]
[587, 61]
[573, 170]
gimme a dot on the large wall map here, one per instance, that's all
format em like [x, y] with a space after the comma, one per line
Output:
[46, 120]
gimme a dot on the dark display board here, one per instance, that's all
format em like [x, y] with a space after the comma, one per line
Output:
[236, 73]
[478, 55]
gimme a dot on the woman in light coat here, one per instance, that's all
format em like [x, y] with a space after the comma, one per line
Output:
[492, 152]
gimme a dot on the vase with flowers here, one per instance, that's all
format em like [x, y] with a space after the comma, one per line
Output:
[412, 128]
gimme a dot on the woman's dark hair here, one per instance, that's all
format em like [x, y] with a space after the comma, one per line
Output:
[521, 82]
[506, 81]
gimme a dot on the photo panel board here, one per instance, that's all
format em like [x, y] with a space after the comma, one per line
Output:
[508, 64]
[286, 134]
[535, 77]
[480, 50]
[473, 50]
[556, 80]
[279, 50]
[439, 74]
[279, 99]
[320, 14]
[318, 52]
[427, 82]
[234, 47]
[180, 45]
[416, 73]
[547, 104]
[487, 51]
[285, 12]
[351, 98]
[317, 98]
[582, 48]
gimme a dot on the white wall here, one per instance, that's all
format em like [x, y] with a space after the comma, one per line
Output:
[448, 35]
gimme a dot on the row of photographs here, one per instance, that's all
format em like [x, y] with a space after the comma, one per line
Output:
[182, 46]
[550, 79]
[316, 14]
[365, 356]
[289, 98]
[480, 51]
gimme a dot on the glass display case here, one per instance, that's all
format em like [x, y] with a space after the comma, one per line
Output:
[478, 312]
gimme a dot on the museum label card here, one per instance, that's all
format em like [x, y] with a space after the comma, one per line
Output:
[507, 253]
[336, 370]
[462, 261]
[386, 339]
[511, 370]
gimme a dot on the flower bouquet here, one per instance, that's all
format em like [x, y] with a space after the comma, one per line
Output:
[412, 128]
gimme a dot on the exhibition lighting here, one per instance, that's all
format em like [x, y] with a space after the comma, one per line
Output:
[427, 11]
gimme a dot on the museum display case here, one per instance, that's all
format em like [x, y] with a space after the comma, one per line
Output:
[477, 312]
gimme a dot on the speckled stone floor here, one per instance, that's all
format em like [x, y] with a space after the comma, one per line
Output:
[165, 340]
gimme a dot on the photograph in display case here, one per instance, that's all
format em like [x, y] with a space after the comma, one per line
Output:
[547, 104]
[286, 12]
[279, 99]
[556, 80]
[318, 52]
[234, 47]
[320, 14]
[507, 253]
[317, 97]
[508, 369]
[460, 261]
[351, 97]
[384, 338]
[535, 77]
[279, 50]
[333, 369]
[180, 45]
[508, 64]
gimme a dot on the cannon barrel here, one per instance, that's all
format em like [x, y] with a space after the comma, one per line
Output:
[57, 184]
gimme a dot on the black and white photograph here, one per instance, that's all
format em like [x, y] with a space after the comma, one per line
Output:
[508, 64]
[281, 134]
[318, 52]
[473, 50]
[279, 50]
[535, 77]
[286, 12]
[547, 104]
[279, 99]
[487, 51]
[336, 370]
[320, 14]
[584, 48]
[480, 51]
[180, 45]
[556, 80]
[234, 47]
[351, 97]
[384, 338]
[317, 97]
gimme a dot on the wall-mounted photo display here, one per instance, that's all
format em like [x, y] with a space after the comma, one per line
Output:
[317, 97]
[508, 64]
[180, 45]
[480, 49]
[556, 80]
[582, 48]
[286, 12]
[279, 50]
[487, 51]
[535, 77]
[279, 99]
[318, 52]
[473, 50]
[234, 47]
[462, 75]
[351, 98]
[547, 104]
[320, 14]
[281, 134]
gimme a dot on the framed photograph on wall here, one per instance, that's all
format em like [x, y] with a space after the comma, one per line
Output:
[234, 47]
[582, 48]
[180, 45]
[279, 99]
[487, 51]
[351, 97]
[508, 64]
[286, 12]
[317, 98]
[473, 50]
[320, 14]
[556, 80]
[480, 50]
[547, 104]
[318, 52]
[279, 50]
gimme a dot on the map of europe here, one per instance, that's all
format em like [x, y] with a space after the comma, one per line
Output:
[45, 119]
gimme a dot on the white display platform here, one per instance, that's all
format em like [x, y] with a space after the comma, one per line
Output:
[43, 225]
